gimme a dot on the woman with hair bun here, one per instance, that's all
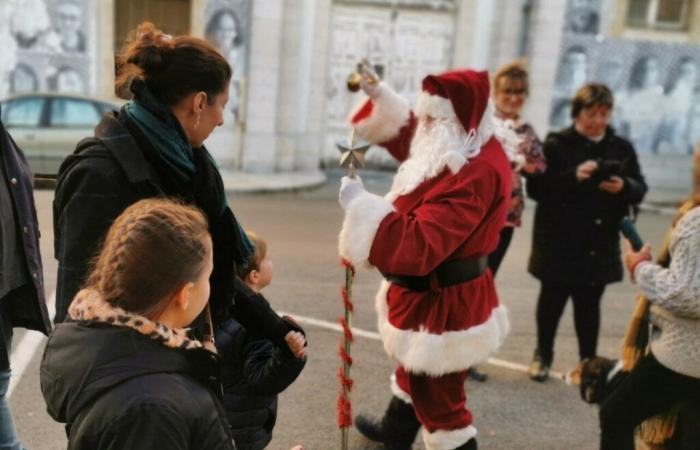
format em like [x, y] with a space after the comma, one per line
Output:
[153, 147]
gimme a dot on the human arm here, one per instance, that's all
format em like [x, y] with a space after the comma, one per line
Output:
[562, 178]
[635, 187]
[415, 243]
[90, 194]
[385, 119]
[268, 370]
[629, 186]
[147, 426]
[255, 314]
[676, 288]
[531, 149]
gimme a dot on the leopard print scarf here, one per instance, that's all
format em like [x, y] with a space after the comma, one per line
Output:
[89, 306]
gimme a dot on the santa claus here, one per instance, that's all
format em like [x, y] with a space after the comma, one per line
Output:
[438, 312]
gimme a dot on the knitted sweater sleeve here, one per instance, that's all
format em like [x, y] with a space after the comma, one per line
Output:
[676, 288]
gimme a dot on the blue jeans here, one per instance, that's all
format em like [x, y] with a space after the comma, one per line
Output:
[8, 434]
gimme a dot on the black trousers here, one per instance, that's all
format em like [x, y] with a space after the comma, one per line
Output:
[550, 306]
[650, 389]
[496, 257]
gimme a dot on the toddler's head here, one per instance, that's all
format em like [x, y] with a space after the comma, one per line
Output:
[258, 274]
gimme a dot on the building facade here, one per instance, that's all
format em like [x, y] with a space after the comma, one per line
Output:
[291, 59]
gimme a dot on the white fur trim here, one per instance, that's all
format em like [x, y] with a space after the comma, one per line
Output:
[434, 106]
[391, 112]
[504, 130]
[362, 218]
[417, 171]
[398, 392]
[433, 354]
[454, 161]
[448, 439]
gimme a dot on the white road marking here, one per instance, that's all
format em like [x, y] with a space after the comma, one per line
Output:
[375, 336]
[33, 341]
[26, 348]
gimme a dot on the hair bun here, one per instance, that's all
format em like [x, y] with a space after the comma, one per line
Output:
[152, 48]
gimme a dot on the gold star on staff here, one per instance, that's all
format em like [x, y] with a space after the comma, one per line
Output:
[352, 154]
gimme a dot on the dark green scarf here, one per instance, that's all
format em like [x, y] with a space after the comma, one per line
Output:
[163, 132]
[169, 141]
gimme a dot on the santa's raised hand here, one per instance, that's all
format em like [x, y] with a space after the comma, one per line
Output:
[350, 189]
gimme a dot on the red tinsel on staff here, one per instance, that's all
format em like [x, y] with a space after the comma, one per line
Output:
[344, 406]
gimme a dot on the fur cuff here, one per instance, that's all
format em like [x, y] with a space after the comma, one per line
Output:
[448, 439]
[362, 219]
[433, 354]
[390, 113]
[398, 392]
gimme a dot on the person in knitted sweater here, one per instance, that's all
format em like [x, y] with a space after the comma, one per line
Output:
[669, 375]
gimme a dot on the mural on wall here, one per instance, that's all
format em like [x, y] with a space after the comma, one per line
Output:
[656, 85]
[583, 16]
[435, 4]
[49, 43]
[227, 26]
[404, 44]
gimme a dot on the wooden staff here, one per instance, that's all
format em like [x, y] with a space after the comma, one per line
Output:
[352, 156]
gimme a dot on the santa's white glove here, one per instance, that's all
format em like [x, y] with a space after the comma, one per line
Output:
[370, 82]
[350, 188]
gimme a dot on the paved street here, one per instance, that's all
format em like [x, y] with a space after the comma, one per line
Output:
[511, 412]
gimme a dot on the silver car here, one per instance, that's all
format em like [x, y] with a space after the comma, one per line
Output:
[47, 127]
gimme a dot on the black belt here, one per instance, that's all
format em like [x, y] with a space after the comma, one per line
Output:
[448, 273]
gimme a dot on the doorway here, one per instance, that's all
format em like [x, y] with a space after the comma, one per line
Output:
[171, 16]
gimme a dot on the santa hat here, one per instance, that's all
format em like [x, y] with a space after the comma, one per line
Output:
[463, 94]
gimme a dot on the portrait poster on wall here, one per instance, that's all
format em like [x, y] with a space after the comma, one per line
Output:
[51, 45]
[227, 25]
[656, 89]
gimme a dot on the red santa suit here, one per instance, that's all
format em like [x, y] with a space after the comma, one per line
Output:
[445, 204]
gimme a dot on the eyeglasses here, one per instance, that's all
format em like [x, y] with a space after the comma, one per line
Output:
[518, 92]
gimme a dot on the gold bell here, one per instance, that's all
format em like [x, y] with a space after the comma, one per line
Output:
[354, 82]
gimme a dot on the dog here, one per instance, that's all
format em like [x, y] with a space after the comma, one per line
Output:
[599, 377]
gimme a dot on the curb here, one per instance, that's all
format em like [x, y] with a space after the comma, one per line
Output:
[658, 209]
[257, 183]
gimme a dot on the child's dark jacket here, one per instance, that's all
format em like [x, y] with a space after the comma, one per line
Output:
[253, 371]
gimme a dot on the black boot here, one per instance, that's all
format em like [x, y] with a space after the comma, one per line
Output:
[397, 429]
[477, 375]
[469, 445]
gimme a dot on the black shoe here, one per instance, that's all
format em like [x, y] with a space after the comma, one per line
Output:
[476, 375]
[396, 430]
[539, 367]
[369, 428]
[469, 445]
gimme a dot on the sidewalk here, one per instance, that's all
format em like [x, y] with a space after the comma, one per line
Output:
[235, 181]
[663, 201]
[660, 201]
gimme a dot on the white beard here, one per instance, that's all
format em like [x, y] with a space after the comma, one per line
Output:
[431, 148]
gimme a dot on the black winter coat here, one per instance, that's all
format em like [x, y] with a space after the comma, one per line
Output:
[25, 307]
[576, 236]
[115, 388]
[111, 171]
[252, 373]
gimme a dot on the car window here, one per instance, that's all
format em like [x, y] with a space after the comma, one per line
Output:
[23, 112]
[71, 113]
[106, 107]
